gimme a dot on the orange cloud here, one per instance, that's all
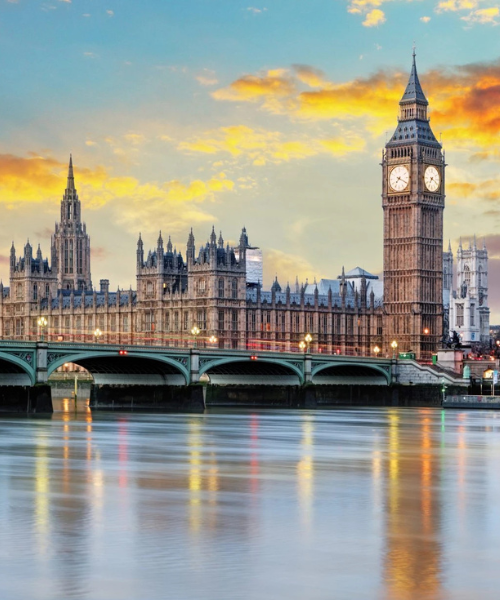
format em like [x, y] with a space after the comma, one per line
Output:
[255, 88]
[488, 189]
[287, 266]
[262, 146]
[374, 18]
[463, 101]
[25, 181]
[310, 76]
[483, 16]
[461, 190]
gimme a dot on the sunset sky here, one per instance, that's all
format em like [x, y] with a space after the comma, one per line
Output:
[270, 116]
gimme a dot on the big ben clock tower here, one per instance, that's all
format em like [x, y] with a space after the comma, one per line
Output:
[413, 201]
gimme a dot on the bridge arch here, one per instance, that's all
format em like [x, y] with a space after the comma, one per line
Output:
[349, 373]
[136, 368]
[16, 371]
[241, 370]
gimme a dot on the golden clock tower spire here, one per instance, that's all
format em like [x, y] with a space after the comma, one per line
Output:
[413, 202]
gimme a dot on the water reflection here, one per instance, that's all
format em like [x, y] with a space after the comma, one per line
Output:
[413, 552]
[249, 505]
[305, 470]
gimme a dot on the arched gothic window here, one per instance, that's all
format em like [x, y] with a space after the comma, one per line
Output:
[467, 275]
[221, 288]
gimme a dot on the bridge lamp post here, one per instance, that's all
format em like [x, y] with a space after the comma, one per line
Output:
[376, 351]
[213, 340]
[97, 335]
[308, 339]
[394, 346]
[302, 346]
[42, 324]
[195, 332]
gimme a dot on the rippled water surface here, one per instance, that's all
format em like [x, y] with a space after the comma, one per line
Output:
[366, 503]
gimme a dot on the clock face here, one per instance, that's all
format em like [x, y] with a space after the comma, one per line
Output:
[399, 178]
[432, 179]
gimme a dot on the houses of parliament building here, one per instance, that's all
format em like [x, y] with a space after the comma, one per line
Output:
[216, 289]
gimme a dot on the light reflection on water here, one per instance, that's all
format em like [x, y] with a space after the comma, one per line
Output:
[368, 503]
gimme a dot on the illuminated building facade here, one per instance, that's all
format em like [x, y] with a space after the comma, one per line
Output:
[215, 287]
[466, 305]
[218, 289]
[413, 193]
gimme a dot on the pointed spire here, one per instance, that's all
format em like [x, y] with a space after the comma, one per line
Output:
[160, 241]
[414, 92]
[449, 246]
[244, 237]
[276, 287]
[475, 244]
[169, 244]
[221, 240]
[139, 242]
[71, 179]
[39, 253]
[213, 237]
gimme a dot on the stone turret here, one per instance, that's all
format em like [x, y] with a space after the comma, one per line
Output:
[140, 253]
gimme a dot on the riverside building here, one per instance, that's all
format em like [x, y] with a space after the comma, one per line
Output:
[216, 289]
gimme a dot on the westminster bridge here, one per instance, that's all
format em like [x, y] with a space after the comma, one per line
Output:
[28, 365]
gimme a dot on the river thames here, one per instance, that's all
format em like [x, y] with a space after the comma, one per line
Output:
[364, 503]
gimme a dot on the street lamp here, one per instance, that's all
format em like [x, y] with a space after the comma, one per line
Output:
[308, 339]
[394, 345]
[213, 339]
[42, 324]
[426, 331]
[376, 350]
[97, 335]
[195, 331]
[302, 346]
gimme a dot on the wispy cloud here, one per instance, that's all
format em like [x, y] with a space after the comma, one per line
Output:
[483, 16]
[261, 147]
[478, 11]
[39, 180]
[256, 11]
[464, 100]
[206, 81]
[374, 18]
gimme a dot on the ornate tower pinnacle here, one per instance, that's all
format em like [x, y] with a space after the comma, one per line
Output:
[70, 242]
[413, 201]
[71, 179]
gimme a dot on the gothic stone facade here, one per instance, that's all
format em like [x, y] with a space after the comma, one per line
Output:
[210, 288]
[207, 288]
[413, 193]
[466, 305]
